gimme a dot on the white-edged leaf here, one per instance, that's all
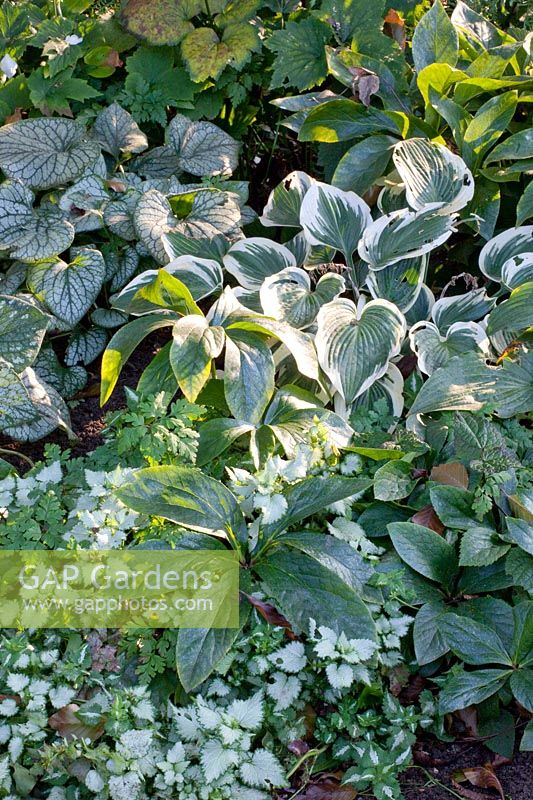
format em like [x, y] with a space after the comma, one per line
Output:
[500, 248]
[116, 131]
[468, 307]
[433, 174]
[29, 408]
[252, 260]
[284, 202]
[515, 313]
[45, 152]
[288, 296]
[22, 330]
[202, 276]
[399, 283]
[404, 234]
[69, 289]
[464, 383]
[518, 270]
[202, 148]
[332, 217]
[84, 346]
[355, 346]
[388, 388]
[434, 350]
[515, 386]
[421, 308]
[248, 376]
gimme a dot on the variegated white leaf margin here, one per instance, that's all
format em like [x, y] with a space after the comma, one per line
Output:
[518, 270]
[285, 201]
[355, 345]
[288, 296]
[399, 283]
[332, 217]
[388, 388]
[461, 308]
[501, 248]
[434, 350]
[201, 276]
[433, 175]
[252, 260]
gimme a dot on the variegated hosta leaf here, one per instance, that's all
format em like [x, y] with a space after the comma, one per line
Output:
[334, 218]
[388, 388]
[433, 174]
[392, 198]
[421, 308]
[518, 270]
[404, 234]
[108, 318]
[116, 132]
[252, 260]
[202, 276]
[124, 267]
[288, 296]
[515, 386]
[468, 307]
[194, 345]
[203, 149]
[211, 212]
[30, 234]
[515, 313]
[249, 372]
[502, 247]
[355, 346]
[22, 330]
[66, 381]
[399, 283]
[29, 408]
[69, 289]
[434, 350]
[84, 346]
[284, 202]
[82, 203]
[46, 152]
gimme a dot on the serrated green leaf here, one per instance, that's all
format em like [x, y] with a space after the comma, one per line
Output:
[300, 55]
[206, 55]
[160, 22]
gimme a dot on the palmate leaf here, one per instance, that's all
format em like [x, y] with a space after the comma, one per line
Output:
[404, 234]
[254, 259]
[29, 408]
[206, 55]
[433, 174]
[434, 350]
[284, 202]
[300, 55]
[287, 296]
[160, 22]
[22, 330]
[502, 247]
[116, 132]
[203, 149]
[69, 289]
[399, 283]
[45, 152]
[334, 218]
[354, 347]
[30, 234]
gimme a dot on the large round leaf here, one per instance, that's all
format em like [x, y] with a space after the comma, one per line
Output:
[355, 347]
[288, 296]
[334, 218]
[160, 22]
[404, 234]
[22, 330]
[252, 260]
[498, 250]
[203, 149]
[46, 152]
[433, 174]
[434, 350]
[69, 289]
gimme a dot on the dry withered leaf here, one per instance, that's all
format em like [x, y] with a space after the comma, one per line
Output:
[483, 777]
[427, 517]
[395, 27]
[453, 474]
[14, 117]
[468, 716]
[67, 724]
[328, 788]
[271, 615]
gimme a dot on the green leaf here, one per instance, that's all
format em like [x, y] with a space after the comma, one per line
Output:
[514, 314]
[473, 642]
[453, 506]
[526, 745]
[480, 547]
[435, 39]
[468, 307]
[519, 568]
[304, 589]
[341, 120]
[522, 687]
[116, 132]
[284, 202]
[498, 250]
[521, 533]
[186, 496]
[394, 481]
[524, 209]
[487, 126]
[363, 164]
[84, 346]
[334, 218]
[522, 645]
[193, 348]
[468, 688]
[160, 22]
[206, 55]
[465, 383]
[434, 351]
[428, 637]
[354, 348]
[399, 283]
[216, 435]
[122, 345]
[515, 386]
[424, 551]
[45, 152]
[254, 259]
[30, 408]
[69, 289]
[300, 55]
[248, 376]
[517, 146]
[22, 330]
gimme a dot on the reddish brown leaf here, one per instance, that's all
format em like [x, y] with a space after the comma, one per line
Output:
[271, 614]
[113, 59]
[483, 777]
[412, 692]
[398, 679]
[468, 716]
[468, 794]
[116, 185]
[407, 365]
[14, 117]
[427, 517]
[453, 474]
[298, 747]
[328, 788]
[395, 27]
[67, 724]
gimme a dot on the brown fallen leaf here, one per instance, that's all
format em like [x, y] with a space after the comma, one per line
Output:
[483, 777]
[468, 794]
[427, 517]
[67, 724]
[395, 28]
[16, 116]
[468, 716]
[271, 614]
[328, 788]
[453, 474]
[113, 59]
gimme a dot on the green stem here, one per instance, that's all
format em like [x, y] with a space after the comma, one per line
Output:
[7, 452]
[310, 754]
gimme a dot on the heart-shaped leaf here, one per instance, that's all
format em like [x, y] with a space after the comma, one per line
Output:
[514, 314]
[29, 408]
[22, 330]
[285, 201]
[399, 283]
[69, 289]
[434, 350]
[202, 148]
[254, 259]
[122, 268]
[160, 22]
[505, 245]
[116, 132]
[467, 307]
[404, 234]
[207, 55]
[388, 389]
[202, 276]
[354, 348]
[287, 296]
[46, 152]
[433, 174]
[334, 218]
[84, 346]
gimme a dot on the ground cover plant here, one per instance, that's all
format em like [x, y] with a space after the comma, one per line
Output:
[339, 392]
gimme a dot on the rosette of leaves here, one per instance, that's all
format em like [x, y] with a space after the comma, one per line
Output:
[228, 39]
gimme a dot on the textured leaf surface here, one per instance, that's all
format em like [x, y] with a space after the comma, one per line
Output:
[193, 347]
[203, 149]
[84, 346]
[505, 245]
[334, 218]
[248, 376]
[288, 296]
[399, 283]
[424, 551]
[254, 259]
[434, 351]
[22, 330]
[159, 22]
[435, 39]
[300, 54]
[116, 131]
[29, 408]
[284, 202]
